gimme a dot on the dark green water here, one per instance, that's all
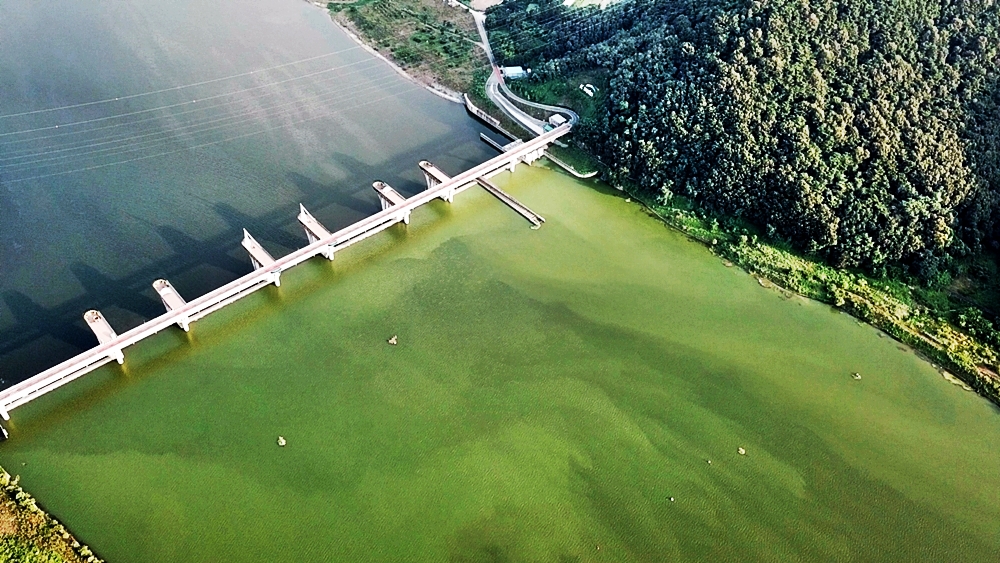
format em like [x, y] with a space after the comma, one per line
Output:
[551, 391]
[161, 185]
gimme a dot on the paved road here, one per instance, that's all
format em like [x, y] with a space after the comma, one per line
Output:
[498, 92]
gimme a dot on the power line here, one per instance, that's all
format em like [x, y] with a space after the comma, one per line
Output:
[176, 88]
[56, 148]
[230, 139]
[241, 119]
[179, 104]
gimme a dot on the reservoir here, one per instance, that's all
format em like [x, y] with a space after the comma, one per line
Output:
[555, 394]
[229, 114]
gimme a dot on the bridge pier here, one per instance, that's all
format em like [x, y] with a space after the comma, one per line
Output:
[431, 179]
[395, 209]
[260, 257]
[315, 231]
[436, 177]
[390, 198]
[533, 156]
[172, 301]
[104, 333]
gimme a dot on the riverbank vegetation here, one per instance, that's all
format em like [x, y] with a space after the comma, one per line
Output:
[29, 535]
[848, 151]
[954, 336]
[431, 40]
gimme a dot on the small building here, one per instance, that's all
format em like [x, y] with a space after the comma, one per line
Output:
[556, 120]
[514, 72]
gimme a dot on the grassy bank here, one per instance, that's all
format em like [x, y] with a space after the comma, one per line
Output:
[932, 320]
[431, 40]
[29, 535]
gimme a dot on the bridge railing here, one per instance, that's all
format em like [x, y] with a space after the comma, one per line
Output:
[87, 361]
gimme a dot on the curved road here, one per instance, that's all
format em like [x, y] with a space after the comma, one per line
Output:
[498, 92]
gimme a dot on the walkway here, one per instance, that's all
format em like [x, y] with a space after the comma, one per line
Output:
[267, 271]
[505, 197]
[498, 92]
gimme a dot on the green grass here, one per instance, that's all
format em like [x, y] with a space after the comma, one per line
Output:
[564, 91]
[431, 40]
[29, 535]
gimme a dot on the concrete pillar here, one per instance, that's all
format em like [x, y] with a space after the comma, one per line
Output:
[315, 231]
[431, 180]
[172, 300]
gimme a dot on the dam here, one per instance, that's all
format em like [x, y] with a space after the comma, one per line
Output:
[267, 269]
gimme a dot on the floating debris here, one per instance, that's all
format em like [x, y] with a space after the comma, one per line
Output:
[393, 341]
[671, 499]
[955, 381]
[856, 375]
[628, 200]
[741, 451]
[710, 462]
[282, 441]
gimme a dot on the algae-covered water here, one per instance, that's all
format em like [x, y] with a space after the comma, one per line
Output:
[556, 395]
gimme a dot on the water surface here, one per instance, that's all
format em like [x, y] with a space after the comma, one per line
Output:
[228, 115]
[551, 392]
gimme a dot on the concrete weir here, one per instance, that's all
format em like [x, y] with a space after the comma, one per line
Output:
[267, 269]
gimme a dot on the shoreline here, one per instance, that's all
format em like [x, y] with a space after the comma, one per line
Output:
[863, 308]
[432, 87]
[32, 527]
[859, 303]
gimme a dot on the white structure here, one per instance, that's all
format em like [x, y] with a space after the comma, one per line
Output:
[267, 270]
[514, 72]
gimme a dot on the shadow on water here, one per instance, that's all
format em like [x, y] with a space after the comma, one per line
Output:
[215, 256]
[222, 252]
[352, 201]
[261, 229]
[95, 282]
[35, 321]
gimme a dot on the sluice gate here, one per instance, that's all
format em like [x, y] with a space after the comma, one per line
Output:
[267, 269]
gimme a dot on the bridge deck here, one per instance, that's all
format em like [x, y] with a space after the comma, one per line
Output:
[195, 309]
[505, 197]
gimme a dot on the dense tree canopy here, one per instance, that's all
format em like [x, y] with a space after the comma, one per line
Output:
[865, 131]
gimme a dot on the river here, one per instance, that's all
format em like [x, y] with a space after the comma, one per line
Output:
[98, 200]
[555, 395]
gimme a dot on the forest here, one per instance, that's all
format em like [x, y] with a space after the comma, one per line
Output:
[865, 133]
